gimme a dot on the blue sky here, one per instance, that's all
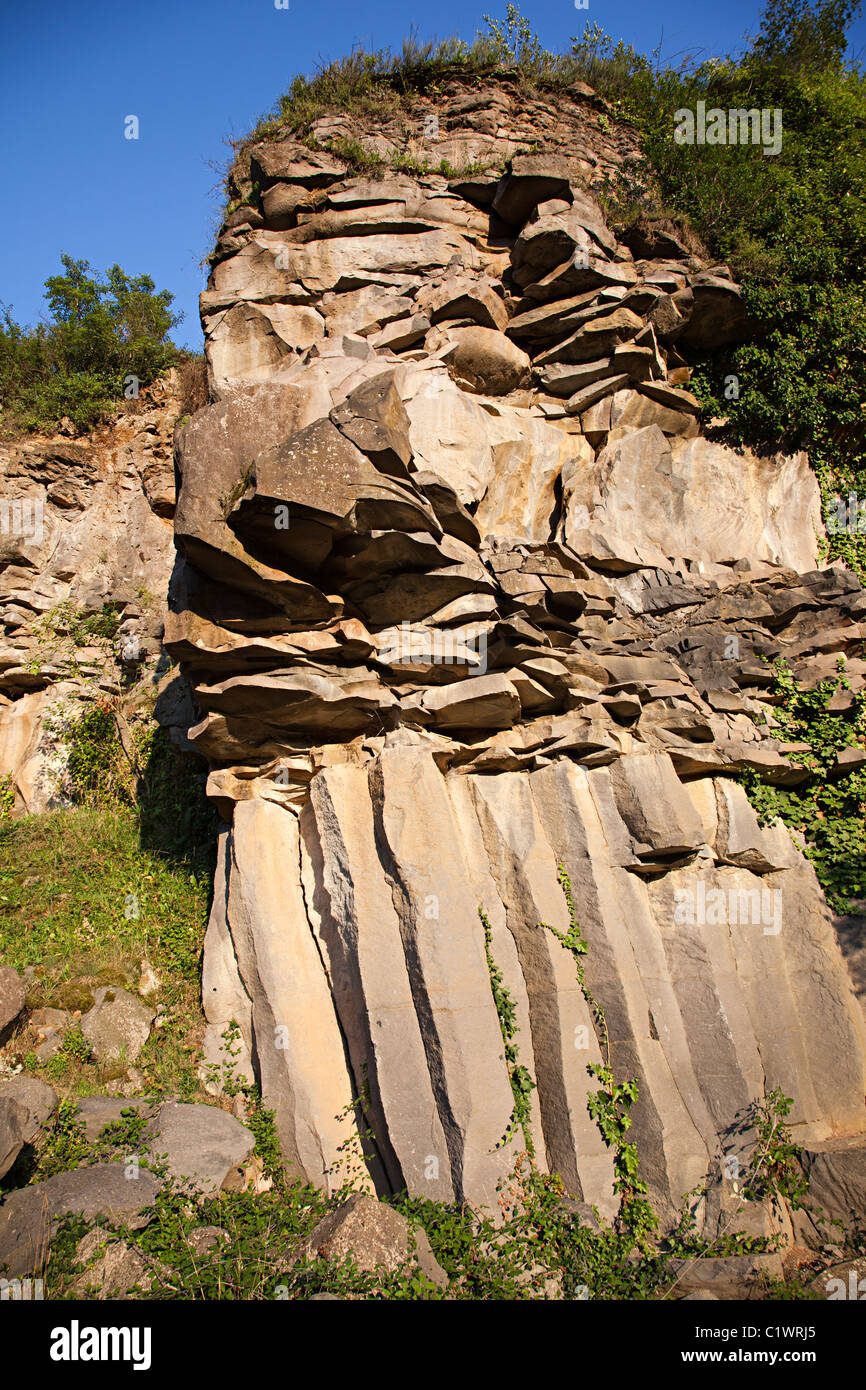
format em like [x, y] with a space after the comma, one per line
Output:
[195, 73]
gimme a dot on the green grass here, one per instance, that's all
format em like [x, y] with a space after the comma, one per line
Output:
[71, 884]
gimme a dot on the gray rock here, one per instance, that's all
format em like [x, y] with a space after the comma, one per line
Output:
[837, 1177]
[118, 1025]
[375, 1237]
[14, 1121]
[727, 1277]
[484, 360]
[114, 1269]
[35, 1096]
[205, 1238]
[200, 1145]
[95, 1112]
[30, 1216]
[12, 994]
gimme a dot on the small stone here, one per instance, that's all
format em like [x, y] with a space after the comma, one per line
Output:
[117, 1026]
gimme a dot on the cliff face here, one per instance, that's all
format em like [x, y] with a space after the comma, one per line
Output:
[465, 596]
[87, 523]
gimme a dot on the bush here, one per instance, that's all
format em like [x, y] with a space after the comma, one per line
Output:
[102, 333]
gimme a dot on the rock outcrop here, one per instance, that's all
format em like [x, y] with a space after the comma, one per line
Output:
[86, 523]
[465, 597]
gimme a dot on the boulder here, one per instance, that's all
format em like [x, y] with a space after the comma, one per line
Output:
[113, 1269]
[35, 1096]
[373, 1236]
[14, 1122]
[12, 994]
[487, 702]
[485, 361]
[31, 1215]
[201, 1146]
[464, 297]
[718, 316]
[95, 1112]
[836, 1171]
[727, 1277]
[118, 1025]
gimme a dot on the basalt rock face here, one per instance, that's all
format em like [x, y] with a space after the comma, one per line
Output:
[84, 523]
[465, 596]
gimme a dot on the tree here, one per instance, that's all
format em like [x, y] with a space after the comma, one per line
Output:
[103, 330]
[805, 36]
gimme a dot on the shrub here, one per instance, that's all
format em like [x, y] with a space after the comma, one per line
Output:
[102, 332]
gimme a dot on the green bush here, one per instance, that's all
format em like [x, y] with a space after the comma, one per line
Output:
[102, 333]
[829, 806]
[93, 763]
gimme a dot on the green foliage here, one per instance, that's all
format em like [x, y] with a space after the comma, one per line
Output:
[828, 807]
[610, 1105]
[775, 1172]
[84, 900]
[381, 83]
[800, 34]
[792, 227]
[522, 1084]
[177, 820]
[262, 1123]
[100, 626]
[65, 1144]
[94, 755]
[102, 331]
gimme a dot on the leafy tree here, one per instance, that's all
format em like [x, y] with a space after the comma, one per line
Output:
[102, 332]
[800, 35]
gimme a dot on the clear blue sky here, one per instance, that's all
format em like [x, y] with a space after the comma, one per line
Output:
[197, 72]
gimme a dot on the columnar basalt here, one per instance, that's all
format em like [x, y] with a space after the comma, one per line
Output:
[451, 416]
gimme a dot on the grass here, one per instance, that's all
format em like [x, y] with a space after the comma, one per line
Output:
[71, 884]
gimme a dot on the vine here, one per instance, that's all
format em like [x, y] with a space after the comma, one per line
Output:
[522, 1084]
[609, 1106]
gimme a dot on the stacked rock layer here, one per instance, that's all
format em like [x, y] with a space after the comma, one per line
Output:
[466, 598]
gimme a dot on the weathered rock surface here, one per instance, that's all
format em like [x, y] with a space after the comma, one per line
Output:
[12, 995]
[199, 1145]
[118, 1025]
[96, 529]
[14, 1122]
[30, 1215]
[113, 1269]
[481, 601]
[463, 595]
[33, 1095]
[373, 1236]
